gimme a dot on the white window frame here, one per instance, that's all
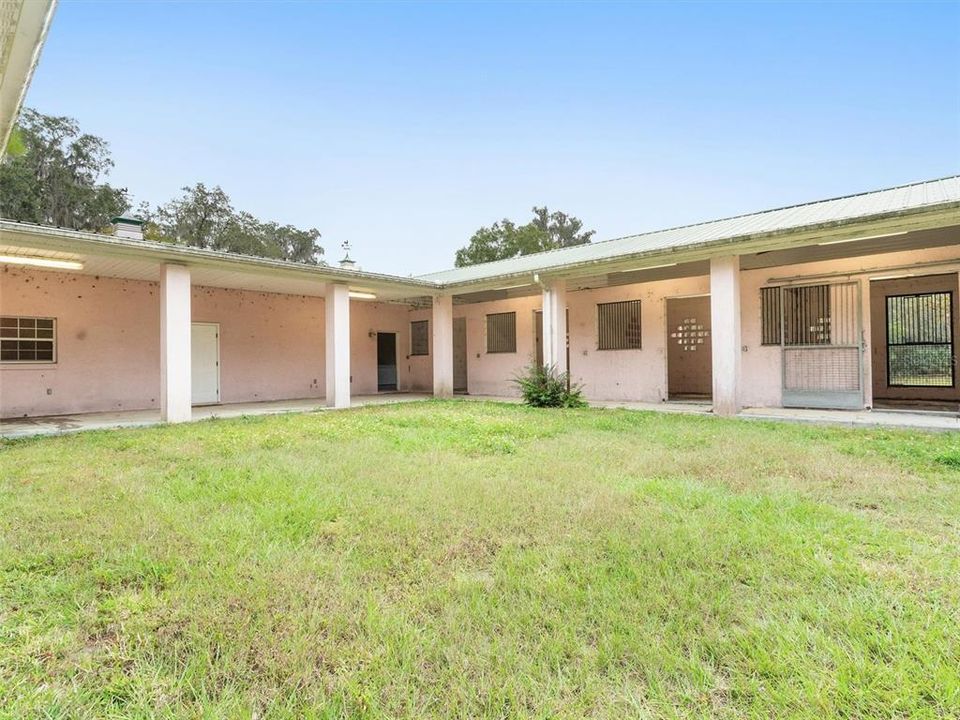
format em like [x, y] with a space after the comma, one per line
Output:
[18, 338]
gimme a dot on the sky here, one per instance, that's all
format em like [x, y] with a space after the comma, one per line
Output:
[404, 127]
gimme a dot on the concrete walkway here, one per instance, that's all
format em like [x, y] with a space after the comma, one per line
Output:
[61, 424]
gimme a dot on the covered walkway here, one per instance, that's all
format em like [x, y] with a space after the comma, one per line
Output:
[61, 424]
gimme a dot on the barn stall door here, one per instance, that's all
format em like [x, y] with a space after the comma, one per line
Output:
[821, 340]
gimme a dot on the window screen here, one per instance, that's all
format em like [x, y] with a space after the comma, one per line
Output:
[618, 325]
[420, 337]
[920, 340]
[502, 332]
[770, 316]
[27, 339]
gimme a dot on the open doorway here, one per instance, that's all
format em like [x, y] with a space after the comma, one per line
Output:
[689, 353]
[914, 322]
[386, 361]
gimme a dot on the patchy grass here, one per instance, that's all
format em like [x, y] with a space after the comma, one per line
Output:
[460, 559]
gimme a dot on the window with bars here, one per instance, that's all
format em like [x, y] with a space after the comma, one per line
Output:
[618, 325]
[806, 315]
[28, 339]
[770, 316]
[420, 337]
[502, 332]
[920, 340]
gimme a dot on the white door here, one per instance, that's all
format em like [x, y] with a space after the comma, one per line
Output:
[205, 363]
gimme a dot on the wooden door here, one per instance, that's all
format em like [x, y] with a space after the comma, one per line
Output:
[689, 354]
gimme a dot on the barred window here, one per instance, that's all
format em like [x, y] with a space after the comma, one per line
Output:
[770, 316]
[502, 332]
[618, 325]
[28, 339]
[420, 337]
[806, 315]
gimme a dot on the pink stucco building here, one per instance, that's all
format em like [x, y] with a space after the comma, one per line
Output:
[843, 303]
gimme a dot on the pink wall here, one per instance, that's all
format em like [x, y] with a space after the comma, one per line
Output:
[272, 345]
[108, 330]
[640, 375]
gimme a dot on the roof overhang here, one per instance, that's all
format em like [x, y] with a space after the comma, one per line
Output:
[23, 28]
[110, 256]
[853, 231]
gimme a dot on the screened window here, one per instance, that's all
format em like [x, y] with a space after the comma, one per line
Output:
[27, 339]
[920, 340]
[618, 325]
[770, 316]
[420, 337]
[502, 332]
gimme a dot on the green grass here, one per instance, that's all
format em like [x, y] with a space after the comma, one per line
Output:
[461, 559]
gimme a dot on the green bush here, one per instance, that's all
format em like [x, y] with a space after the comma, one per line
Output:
[543, 386]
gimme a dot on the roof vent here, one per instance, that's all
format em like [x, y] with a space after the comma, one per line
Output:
[127, 226]
[348, 263]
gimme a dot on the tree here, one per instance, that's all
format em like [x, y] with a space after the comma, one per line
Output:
[506, 239]
[53, 175]
[204, 217]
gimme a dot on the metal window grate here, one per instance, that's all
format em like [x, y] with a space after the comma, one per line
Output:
[618, 325]
[28, 339]
[420, 337]
[920, 340]
[806, 315]
[770, 316]
[502, 332]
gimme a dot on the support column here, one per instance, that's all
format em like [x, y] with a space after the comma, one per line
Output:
[442, 327]
[555, 325]
[175, 360]
[337, 328]
[725, 333]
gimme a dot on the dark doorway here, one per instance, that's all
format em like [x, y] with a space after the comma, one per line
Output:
[386, 361]
[689, 353]
[460, 355]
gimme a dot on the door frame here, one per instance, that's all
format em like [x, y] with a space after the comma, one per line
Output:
[219, 393]
[666, 342]
[465, 390]
[396, 363]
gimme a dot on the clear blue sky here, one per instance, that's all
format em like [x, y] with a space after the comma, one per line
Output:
[404, 127]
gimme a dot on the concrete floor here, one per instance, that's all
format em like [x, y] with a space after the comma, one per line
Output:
[60, 424]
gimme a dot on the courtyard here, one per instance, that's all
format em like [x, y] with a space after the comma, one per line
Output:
[480, 559]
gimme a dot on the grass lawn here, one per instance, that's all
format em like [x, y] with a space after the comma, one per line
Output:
[465, 559]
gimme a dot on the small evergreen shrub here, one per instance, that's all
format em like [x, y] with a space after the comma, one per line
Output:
[543, 386]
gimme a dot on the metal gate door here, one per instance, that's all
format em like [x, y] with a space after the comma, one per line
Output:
[820, 330]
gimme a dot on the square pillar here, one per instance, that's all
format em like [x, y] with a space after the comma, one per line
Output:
[442, 331]
[337, 328]
[175, 359]
[555, 325]
[725, 333]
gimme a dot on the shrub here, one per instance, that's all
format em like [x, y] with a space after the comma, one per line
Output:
[543, 386]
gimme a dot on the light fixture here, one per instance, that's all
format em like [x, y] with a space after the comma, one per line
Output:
[857, 239]
[41, 262]
[649, 267]
[356, 294]
[893, 277]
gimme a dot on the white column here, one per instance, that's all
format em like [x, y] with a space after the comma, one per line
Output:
[442, 340]
[175, 360]
[337, 329]
[725, 333]
[555, 325]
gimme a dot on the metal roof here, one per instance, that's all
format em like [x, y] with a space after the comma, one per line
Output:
[879, 203]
